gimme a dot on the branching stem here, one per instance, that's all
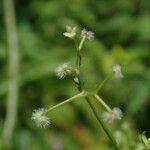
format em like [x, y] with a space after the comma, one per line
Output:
[80, 88]
[82, 94]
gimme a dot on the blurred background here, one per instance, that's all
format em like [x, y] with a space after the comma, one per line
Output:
[32, 45]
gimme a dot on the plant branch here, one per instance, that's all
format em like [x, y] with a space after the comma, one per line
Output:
[78, 62]
[102, 102]
[82, 94]
[101, 85]
[101, 123]
[81, 43]
[108, 133]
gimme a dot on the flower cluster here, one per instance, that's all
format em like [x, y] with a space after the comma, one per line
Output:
[72, 31]
[39, 118]
[116, 69]
[115, 113]
[65, 69]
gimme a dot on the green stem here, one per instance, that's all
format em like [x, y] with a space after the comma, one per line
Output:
[78, 62]
[81, 43]
[102, 102]
[102, 124]
[82, 94]
[101, 85]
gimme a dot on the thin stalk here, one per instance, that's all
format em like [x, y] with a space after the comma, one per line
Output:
[81, 43]
[13, 68]
[102, 102]
[82, 94]
[78, 62]
[108, 133]
[101, 85]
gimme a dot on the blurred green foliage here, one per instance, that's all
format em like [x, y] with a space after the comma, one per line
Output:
[122, 35]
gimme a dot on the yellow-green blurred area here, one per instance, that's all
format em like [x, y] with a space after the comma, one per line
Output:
[122, 36]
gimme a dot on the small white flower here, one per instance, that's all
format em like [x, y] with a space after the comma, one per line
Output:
[39, 118]
[87, 34]
[117, 71]
[116, 113]
[63, 70]
[70, 32]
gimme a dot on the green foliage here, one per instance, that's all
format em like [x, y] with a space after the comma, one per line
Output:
[122, 35]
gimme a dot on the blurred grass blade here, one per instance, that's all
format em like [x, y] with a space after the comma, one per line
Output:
[13, 68]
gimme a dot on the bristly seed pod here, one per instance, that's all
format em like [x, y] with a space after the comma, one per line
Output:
[39, 118]
[115, 113]
[63, 70]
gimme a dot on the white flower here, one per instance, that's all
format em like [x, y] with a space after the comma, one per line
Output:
[115, 113]
[87, 34]
[39, 118]
[70, 32]
[63, 70]
[117, 71]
